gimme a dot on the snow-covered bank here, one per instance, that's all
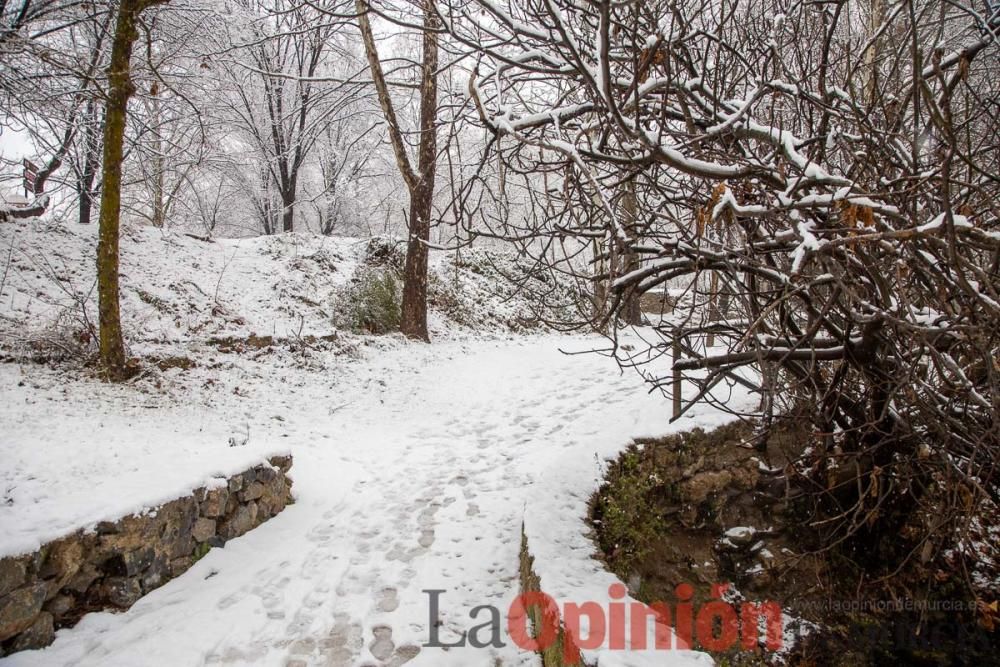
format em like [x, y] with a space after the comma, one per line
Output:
[75, 453]
[178, 290]
[563, 550]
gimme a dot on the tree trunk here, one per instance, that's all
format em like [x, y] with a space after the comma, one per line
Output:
[876, 17]
[600, 310]
[414, 311]
[420, 183]
[631, 310]
[120, 89]
[159, 217]
[288, 209]
[86, 204]
[91, 162]
[413, 322]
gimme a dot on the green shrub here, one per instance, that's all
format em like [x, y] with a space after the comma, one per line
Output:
[370, 303]
[627, 509]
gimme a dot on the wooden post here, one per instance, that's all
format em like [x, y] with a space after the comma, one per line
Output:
[676, 392]
[631, 310]
[713, 309]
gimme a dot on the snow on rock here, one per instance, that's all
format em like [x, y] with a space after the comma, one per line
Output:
[741, 534]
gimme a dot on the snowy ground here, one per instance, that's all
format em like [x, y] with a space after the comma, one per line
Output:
[412, 471]
[414, 464]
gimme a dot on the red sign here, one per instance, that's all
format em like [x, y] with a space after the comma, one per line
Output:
[30, 174]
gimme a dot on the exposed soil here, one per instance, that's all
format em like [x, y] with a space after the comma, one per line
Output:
[661, 519]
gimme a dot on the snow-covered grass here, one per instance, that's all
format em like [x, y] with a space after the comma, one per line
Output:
[175, 288]
[557, 532]
[179, 290]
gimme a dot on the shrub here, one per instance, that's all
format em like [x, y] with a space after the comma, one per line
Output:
[68, 337]
[448, 296]
[370, 303]
[626, 508]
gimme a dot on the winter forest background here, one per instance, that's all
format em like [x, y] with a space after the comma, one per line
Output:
[799, 200]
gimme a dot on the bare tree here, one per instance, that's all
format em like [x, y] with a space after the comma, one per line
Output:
[419, 181]
[830, 216]
[50, 77]
[345, 151]
[278, 61]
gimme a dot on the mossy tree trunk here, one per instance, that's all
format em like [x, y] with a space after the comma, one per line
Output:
[120, 89]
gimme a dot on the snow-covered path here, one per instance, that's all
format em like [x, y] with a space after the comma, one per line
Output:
[412, 471]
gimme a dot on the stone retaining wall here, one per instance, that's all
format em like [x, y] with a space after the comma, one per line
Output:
[119, 562]
[552, 655]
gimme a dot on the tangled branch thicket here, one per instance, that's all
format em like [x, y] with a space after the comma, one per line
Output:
[822, 178]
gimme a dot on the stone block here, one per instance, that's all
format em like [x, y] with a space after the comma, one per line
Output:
[84, 578]
[253, 491]
[63, 560]
[156, 574]
[41, 633]
[265, 474]
[121, 592]
[177, 519]
[19, 608]
[60, 605]
[12, 573]
[242, 520]
[204, 529]
[178, 566]
[215, 503]
[130, 563]
[282, 463]
[132, 532]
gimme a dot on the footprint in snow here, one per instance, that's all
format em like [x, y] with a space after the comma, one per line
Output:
[229, 600]
[426, 517]
[402, 554]
[384, 649]
[354, 584]
[343, 643]
[388, 600]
